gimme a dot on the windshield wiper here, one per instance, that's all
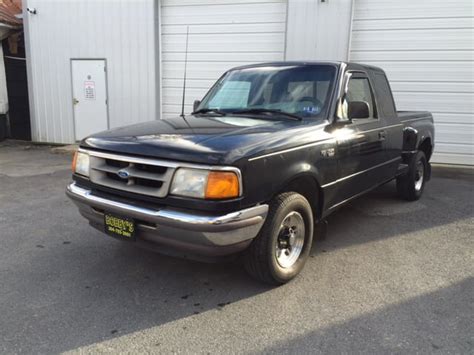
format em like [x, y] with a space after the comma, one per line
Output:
[265, 111]
[209, 110]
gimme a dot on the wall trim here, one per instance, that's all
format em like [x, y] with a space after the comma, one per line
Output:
[157, 51]
[29, 74]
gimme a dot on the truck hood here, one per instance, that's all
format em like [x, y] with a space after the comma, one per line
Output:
[209, 140]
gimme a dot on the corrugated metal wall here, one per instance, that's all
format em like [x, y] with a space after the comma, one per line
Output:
[222, 34]
[427, 49]
[121, 31]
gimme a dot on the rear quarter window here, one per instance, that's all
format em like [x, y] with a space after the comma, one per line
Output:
[384, 95]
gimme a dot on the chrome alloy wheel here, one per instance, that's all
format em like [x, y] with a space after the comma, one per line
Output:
[290, 239]
[419, 175]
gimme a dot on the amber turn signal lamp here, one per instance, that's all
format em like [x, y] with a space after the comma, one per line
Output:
[221, 185]
[74, 159]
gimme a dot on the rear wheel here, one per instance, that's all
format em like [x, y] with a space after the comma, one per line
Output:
[410, 186]
[280, 250]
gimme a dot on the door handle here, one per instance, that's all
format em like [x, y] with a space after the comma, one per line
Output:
[382, 135]
[75, 101]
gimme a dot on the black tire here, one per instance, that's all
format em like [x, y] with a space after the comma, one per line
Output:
[408, 185]
[260, 259]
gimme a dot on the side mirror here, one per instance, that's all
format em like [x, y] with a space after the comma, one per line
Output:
[358, 109]
[196, 105]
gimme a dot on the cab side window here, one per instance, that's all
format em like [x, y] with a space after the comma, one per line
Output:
[386, 104]
[359, 90]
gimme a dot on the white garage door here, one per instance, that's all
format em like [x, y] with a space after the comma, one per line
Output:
[427, 49]
[222, 34]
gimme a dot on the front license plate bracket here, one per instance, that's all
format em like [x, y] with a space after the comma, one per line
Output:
[119, 227]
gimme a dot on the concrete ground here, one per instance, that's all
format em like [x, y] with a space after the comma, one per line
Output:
[392, 276]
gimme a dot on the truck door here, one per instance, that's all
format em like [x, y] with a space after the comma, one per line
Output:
[393, 129]
[360, 143]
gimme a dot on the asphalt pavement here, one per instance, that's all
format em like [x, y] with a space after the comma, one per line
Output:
[391, 277]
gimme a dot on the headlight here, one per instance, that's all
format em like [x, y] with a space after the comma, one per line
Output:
[80, 163]
[208, 184]
[189, 182]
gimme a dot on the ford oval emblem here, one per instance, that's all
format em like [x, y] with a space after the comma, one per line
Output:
[124, 174]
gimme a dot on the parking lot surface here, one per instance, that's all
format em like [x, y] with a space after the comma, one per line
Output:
[391, 276]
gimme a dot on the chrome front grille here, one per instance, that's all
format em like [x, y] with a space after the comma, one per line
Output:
[142, 176]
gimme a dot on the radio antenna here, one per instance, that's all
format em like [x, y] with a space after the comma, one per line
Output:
[185, 68]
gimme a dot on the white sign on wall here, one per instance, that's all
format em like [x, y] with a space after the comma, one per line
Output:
[89, 90]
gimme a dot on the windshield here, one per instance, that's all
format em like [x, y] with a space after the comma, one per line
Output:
[304, 91]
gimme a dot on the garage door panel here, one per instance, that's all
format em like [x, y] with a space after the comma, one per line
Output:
[439, 102]
[440, 39]
[211, 57]
[175, 95]
[175, 70]
[429, 86]
[454, 133]
[194, 83]
[402, 9]
[223, 14]
[169, 3]
[452, 118]
[179, 9]
[410, 55]
[246, 42]
[244, 19]
[412, 24]
[454, 158]
[452, 148]
[272, 27]
[427, 71]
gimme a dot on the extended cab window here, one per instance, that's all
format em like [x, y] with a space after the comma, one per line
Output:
[359, 90]
[386, 104]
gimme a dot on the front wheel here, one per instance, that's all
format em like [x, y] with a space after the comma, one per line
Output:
[410, 186]
[282, 247]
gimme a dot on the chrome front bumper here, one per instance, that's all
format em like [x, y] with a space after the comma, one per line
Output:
[195, 232]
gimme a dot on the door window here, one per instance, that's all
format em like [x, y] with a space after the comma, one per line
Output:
[359, 90]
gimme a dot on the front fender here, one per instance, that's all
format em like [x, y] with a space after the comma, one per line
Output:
[264, 178]
[298, 171]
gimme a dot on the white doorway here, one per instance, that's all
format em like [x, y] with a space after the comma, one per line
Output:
[89, 96]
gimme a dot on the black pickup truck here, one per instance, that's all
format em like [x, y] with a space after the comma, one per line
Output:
[269, 152]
